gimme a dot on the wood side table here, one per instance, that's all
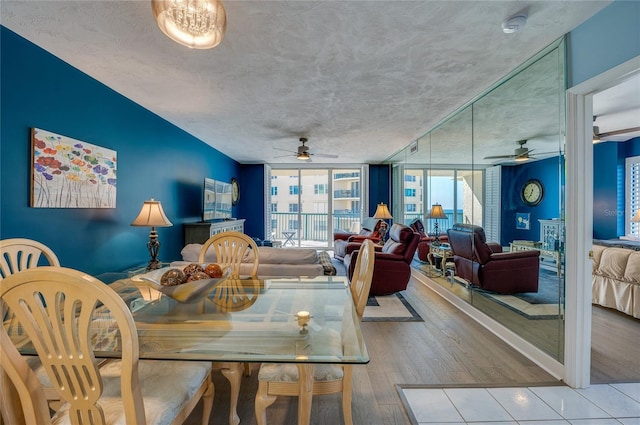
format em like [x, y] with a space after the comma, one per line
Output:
[442, 251]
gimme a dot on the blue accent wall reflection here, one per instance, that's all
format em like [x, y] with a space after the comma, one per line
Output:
[548, 171]
[155, 159]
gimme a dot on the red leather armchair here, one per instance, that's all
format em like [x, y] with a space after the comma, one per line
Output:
[370, 230]
[392, 266]
[425, 239]
[484, 265]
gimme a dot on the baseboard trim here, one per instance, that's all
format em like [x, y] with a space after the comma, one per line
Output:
[530, 351]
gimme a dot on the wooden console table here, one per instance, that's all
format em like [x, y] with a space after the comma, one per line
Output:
[201, 231]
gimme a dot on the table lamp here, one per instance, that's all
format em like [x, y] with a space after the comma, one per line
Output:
[382, 213]
[436, 213]
[152, 215]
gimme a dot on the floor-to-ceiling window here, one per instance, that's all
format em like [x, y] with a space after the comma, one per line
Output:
[458, 191]
[308, 204]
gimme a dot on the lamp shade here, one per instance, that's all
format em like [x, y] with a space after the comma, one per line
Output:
[436, 212]
[636, 218]
[198, 24]
[151, 215]
[382, 212]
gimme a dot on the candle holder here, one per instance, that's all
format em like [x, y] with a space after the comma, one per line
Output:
[303, 320]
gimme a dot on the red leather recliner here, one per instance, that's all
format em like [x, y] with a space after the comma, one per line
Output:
[392, 267]
[484, 265]
[370, 230]
[425, 239]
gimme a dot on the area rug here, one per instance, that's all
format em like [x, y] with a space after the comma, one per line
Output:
[532, 305]
[547, 303]
[390, 308]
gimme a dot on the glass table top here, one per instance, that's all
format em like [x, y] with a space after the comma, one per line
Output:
[248, 320]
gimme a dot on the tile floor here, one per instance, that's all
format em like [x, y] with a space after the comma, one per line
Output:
[558, 405]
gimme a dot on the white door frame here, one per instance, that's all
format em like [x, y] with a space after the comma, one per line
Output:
[579, 220]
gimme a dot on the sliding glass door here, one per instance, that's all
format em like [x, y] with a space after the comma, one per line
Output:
[300, 212]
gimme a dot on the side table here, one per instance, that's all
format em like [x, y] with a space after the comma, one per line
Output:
[442, 251]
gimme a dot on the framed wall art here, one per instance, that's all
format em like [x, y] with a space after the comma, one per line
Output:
[522, 221]
[69, 173]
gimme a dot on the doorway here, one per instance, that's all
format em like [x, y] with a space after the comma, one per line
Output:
[579, 168]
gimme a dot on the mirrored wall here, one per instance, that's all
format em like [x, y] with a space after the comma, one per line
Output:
[496, 167]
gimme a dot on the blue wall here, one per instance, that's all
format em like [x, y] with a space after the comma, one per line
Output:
[609, 38]
[379, 187]
[609, 187]
[513, 178]
[608, 181]
[155, 159]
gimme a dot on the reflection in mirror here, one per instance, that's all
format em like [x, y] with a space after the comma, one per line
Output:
[518, 136]
[476, 165]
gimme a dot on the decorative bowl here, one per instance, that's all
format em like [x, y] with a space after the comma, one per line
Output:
[183, 293]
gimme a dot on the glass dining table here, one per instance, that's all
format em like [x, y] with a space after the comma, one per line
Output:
[282, 320]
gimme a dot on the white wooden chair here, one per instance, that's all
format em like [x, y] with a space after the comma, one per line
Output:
[231, 249]
[19, 254]
[282, 379]
[123, 391]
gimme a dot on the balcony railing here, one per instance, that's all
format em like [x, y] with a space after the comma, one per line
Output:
[312, 226]
[337, 176]
[345, 193]
[443, 223]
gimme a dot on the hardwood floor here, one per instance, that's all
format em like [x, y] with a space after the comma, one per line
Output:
[615, 347]
[448, 348]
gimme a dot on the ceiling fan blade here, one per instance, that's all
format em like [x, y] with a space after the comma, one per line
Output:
[501, 157]
[324, 155]
[286, 150]
[284, 156]
[617, 132]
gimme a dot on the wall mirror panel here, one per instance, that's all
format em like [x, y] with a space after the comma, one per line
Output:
[496, 167]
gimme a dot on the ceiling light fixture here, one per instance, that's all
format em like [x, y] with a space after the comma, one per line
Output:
[596, 132]
[198, 24]
[303, 156]
[514, 24]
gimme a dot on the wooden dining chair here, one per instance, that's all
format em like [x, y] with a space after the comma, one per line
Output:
[232, 249]
[283, 379]
[57, 309]
[19, 254]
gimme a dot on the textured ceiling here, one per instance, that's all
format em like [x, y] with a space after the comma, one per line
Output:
[361, 79]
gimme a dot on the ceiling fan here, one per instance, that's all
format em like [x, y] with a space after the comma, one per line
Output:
[599, 137]
[303, 153]
[521, 153]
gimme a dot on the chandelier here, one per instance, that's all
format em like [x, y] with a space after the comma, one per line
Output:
[198, 24]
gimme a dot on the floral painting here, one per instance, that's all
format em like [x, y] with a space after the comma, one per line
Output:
[68, 173]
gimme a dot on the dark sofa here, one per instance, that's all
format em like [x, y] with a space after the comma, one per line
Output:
[484, 265]
[392, 267]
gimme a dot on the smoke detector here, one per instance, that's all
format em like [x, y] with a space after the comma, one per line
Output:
[514, 24]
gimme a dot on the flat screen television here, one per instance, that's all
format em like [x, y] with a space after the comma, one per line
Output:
[216, 200]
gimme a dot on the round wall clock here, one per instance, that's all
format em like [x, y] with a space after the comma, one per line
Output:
[235, 191]
[532, 192]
